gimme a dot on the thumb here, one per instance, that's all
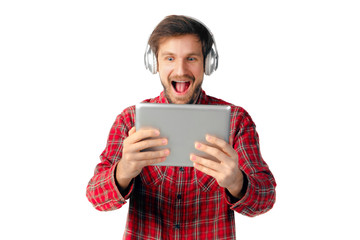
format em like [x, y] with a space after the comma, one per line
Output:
[132, 131]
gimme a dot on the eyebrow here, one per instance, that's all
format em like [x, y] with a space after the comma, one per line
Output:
[190, 54]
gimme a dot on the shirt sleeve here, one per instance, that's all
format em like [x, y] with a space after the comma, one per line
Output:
[102, 190]
[260, 193]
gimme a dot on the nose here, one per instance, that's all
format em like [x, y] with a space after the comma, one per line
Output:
[180, 67]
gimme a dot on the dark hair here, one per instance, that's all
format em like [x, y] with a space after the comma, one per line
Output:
[177, 25]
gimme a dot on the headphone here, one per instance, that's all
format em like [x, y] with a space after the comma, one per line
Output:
[211, 60]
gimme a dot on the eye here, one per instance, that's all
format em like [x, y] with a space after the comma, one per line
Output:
[191, 59]
[170, 59]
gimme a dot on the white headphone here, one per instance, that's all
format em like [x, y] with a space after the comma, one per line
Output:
[211, 60]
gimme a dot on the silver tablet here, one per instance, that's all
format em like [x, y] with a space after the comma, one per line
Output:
[182, 125]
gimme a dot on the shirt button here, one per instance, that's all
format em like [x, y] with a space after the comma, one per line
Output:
[179, 196]
[177, 226]
[182, 169]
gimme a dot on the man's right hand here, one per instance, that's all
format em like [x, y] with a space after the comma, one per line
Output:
[133, 160]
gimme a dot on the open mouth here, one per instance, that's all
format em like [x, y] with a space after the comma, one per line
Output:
[180, 86]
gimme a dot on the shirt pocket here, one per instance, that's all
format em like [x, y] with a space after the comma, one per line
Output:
[153, 176]
[206, 182]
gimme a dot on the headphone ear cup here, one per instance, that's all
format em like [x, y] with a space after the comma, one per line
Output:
[154, 66]
[211, 62]
[150, 60]
[207, 64]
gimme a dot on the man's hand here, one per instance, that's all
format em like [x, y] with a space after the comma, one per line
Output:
[133, 160]
[226, 170]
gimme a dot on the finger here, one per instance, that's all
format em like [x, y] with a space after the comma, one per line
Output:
[144, 156]
[145, 144]
[142, 134]
[148, 162]
[217, 153]
[215, 166]
[222, 144]
[154, 161]
[205, 170]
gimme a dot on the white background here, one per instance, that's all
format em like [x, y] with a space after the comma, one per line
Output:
[67, 68]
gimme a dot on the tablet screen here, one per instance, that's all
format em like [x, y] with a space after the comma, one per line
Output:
[183, 125]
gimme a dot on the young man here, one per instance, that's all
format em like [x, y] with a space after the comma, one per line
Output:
[182, 202]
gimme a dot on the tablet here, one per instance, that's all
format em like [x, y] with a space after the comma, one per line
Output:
[182, 125]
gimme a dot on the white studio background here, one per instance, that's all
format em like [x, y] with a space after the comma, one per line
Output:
[67, 68]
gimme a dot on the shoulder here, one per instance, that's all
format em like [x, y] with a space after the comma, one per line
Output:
[128, 114]
[126, 117]
[239, 116]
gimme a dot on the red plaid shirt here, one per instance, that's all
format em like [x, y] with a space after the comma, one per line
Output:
[181, 202]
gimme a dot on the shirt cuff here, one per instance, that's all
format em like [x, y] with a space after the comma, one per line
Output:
[239, 204]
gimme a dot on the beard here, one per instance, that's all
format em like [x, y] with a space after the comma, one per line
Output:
[191, 98]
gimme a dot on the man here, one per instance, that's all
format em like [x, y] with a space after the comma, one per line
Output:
[182, 202]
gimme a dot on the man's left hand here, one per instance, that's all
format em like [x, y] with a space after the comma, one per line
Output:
[226, 170]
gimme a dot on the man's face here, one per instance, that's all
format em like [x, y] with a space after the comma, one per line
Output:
[181, 68]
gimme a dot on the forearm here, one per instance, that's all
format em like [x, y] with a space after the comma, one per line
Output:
[103, 192]
[260, 191]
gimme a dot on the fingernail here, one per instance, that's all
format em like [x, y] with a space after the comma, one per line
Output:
[157, 132]
[166, 152]
[197, 145]
[164, 141]
[192, 157]
[208, 137]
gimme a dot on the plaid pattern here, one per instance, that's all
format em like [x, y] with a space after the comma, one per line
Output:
[181, 202]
